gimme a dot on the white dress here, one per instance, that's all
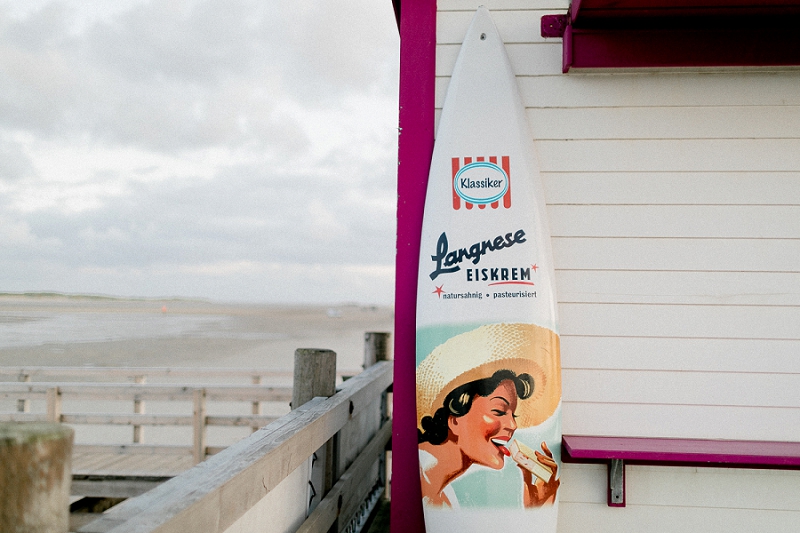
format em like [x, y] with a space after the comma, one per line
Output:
[426, 462]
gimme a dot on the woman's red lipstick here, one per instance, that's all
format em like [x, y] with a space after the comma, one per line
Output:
[502, 446]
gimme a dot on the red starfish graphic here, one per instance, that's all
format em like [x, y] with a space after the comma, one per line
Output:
[439, 290]
[535, 267]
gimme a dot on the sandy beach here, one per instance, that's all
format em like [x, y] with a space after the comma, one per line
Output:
[55, 330]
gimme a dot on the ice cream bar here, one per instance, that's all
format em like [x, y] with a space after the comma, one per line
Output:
[526, 458]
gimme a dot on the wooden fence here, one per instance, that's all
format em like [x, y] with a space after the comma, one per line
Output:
[268, 481]
[104, 384]
[137, 393]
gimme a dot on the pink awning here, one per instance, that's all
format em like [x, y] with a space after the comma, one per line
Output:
[623, 34]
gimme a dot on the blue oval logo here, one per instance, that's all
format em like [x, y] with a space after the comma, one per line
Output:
[481, 183]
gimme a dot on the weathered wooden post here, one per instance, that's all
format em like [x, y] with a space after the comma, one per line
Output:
[35, 477]
[315, 375]
[24, 405]
[378, 348]
[256, 380]
[53, 400]
[199, 425]
[138, 409]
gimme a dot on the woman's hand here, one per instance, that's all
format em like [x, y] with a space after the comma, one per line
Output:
[537, 493]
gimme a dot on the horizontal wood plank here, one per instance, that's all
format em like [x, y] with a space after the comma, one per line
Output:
[498, 5]
[645, 89]
[679, 155]
[115, 419]
[682, 388]
[671, 287]
[681, 421]
[132, 449]
[686, 321]
[23, 417]
[131, 391]
[112, 488]
[514, 25]
[667, 89]
[240, 420]
[689, 122]
[573, 518]
[46, 373]
[682, 221]
[542, 57]
[726, 488]
[680, 354]
[686, 487]
[669, 155]
[682, 254]
[684, 188]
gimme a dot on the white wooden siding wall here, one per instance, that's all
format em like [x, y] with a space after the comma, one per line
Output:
[674, 204]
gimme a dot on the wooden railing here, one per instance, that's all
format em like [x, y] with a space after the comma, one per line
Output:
[50, 386]
[47, 373]
[53, 394]
[269, 476]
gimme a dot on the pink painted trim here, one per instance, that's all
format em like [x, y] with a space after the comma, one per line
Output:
[553, 25]
[622, 34]
[687, 452]
[594, 9]
[415, 147]
[756, 46]
[566, 60]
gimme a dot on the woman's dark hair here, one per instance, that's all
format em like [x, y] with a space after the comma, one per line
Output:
[459, 401]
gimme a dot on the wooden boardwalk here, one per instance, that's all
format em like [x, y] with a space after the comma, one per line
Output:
[122, 469]
[268, 474]
[91, 464]
[120, 475]
[158, 475]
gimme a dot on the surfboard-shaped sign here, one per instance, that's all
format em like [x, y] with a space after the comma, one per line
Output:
[488, 360]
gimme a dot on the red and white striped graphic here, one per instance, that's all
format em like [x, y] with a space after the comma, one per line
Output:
[459, 163]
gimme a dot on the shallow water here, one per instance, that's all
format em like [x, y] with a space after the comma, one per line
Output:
[59, 331]
[38, 328]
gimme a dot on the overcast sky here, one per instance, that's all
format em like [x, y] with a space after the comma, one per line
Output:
[234, 150]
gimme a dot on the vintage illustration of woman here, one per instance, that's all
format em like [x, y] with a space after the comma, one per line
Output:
[473, 392]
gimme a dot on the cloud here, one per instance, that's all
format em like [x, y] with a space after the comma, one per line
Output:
[14, 232]
[236, 215]
[166, 144]
[177, 75]
[14, 163]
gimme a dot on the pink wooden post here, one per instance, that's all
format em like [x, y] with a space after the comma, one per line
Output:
[415, 146]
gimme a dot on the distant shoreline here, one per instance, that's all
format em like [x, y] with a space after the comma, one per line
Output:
[54, 329]
[52, 295]
[79, 296]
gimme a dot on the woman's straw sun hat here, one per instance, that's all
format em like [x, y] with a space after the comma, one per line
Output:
[479, 353]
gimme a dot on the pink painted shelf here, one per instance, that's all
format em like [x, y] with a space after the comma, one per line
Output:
[689, 452]
[618, 452]
[602, 34]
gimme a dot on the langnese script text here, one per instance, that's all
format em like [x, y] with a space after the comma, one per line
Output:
[447, 262]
